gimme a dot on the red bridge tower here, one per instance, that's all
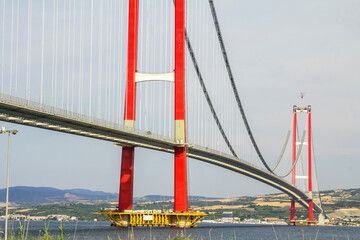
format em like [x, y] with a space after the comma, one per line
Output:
[306, 110]
[127, 163]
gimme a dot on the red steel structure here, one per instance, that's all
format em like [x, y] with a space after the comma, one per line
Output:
[127, 163]
[308, 111]
[311, 216]
[180, 181]
[292, 214]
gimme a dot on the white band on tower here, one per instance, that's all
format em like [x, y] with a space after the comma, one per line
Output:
[143, 77]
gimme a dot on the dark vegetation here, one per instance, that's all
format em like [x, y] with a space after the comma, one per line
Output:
[84, 212]
[244, 207]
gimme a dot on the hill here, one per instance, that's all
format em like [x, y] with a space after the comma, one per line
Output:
[343, 203]
[22, 195]
[338, 204]
[157, 198]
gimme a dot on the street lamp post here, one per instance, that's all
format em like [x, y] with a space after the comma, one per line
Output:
[9, 132]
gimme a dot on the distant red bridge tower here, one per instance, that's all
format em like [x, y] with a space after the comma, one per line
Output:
[306, 110]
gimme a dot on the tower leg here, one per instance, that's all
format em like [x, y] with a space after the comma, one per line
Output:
[311, 215]
[180, 181]
[127, 162]
[180, 194]
[127, 179]
[292, 211]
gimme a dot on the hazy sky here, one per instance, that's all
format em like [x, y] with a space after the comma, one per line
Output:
[277, 49]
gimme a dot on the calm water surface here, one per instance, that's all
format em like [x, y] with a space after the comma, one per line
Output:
[101, 230]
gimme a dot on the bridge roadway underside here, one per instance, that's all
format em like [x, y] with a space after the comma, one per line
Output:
[28, 113]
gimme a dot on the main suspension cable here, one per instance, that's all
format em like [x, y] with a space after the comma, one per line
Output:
[297, 156]
[282, 151]
[207, 97]
[213, 13]
[316, 175]
[212, 109]
[284, 148]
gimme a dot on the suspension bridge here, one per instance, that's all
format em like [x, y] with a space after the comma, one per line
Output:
[150, 74]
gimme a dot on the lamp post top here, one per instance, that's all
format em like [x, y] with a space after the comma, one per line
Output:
[4, 130]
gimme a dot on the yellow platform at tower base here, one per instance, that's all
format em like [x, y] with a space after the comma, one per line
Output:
[302, 223]
[154, 218]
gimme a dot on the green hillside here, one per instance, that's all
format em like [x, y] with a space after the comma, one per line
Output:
[337, 204]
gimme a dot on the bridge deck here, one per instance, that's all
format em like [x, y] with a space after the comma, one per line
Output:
[33, 114]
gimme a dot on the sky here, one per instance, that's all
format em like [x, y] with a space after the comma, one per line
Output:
[277, 49]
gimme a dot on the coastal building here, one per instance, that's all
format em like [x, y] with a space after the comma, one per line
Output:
[227, 217]
[253, 221]
[16, 217]
[38, 218]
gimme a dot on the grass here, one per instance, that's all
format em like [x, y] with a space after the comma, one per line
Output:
[22, 234]
[45, 235]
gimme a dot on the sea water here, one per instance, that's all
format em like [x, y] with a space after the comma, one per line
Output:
[103, 230]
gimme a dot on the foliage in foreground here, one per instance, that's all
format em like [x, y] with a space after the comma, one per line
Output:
[22, 235]
[177, 237]
[182, 237]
